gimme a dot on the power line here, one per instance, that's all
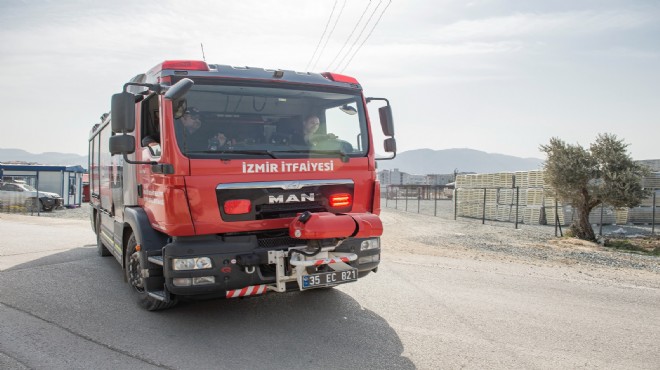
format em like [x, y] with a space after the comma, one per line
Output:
[365, 40]
[330, 34]
[359, 35]
[323, 35]
[349, 37]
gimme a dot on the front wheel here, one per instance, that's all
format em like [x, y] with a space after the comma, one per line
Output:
[136, 281]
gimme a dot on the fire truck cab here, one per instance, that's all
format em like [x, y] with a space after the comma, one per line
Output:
[212, 181]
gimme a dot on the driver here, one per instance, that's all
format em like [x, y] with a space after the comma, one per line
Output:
[189, 131]
[310, 125]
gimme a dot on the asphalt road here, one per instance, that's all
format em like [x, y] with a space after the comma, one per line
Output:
[63, 307]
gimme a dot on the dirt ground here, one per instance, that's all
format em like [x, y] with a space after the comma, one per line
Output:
[420, 234]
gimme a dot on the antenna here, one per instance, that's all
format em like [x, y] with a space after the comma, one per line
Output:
[203, 56]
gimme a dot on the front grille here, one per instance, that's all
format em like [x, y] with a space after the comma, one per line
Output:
[283, 241]
[302, 195]
[270, 211]
[286, 241]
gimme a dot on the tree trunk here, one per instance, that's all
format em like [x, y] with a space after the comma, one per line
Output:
[581, 226]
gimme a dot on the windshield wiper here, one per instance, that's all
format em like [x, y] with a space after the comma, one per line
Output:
[342, 154]
[249, 152]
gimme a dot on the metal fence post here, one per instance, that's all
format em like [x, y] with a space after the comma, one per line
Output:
[556, 217]
[387, 195]
[419, 198]
[600, 231]
[37, 203]
[653, 217]
[435, 202]
[396, 199]
[483, 213]
[517, 203]
[406, 199]
[455, 202]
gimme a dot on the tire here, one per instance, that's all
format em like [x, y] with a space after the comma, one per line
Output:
[136, 281]
[100, 248]
[46, 209]
[31, 205]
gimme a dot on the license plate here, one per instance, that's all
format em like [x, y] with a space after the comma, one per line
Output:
[328, 278]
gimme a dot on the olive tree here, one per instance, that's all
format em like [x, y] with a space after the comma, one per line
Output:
[586, 178]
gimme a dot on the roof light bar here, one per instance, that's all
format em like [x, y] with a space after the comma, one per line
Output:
[340, 78]
[185, 65]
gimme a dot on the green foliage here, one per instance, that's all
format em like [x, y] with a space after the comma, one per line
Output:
[604, 173]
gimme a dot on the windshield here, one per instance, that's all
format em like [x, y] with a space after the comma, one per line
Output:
[28, 187]
[233, 121]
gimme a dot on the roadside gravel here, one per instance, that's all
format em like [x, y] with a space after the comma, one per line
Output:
[469, 238]
[80, 213]
[536, 246]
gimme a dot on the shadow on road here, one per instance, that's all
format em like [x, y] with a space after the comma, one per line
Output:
[85, 295]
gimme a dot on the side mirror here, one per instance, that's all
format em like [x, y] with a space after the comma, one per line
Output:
[121, 144]
[390, 145]
[123, 112]
[179, 89]
[386, 120]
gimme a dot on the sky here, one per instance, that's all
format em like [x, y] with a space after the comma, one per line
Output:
[497, 76]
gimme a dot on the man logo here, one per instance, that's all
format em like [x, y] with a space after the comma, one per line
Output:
[291, 198]
[292, 185]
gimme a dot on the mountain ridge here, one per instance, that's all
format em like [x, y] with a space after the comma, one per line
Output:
[45, 158]
[444, 161]
[417, 161]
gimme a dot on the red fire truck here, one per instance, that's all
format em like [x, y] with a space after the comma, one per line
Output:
[211, 181]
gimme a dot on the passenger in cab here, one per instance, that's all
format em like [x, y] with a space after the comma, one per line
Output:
[219, 142]
[189, 131]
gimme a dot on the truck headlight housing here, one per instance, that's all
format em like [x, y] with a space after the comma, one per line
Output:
[197, 263]
[368, 259]
[201, 280]
[370, 244]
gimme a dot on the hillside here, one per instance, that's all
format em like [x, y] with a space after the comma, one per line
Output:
[426, 161]
[419, 161]
[52, 158]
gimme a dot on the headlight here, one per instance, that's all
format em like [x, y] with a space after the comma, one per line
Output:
[202, 280]
[368, 259]
[198, 263]
[369, 244]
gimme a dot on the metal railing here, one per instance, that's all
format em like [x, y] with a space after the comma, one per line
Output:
[509, 205]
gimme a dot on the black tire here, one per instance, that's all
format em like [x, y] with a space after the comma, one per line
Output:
[136, 281]
[32, 204]
[100, 248]
[46, 209]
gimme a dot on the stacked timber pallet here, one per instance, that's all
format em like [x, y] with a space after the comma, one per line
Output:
[644, 213]
[526, 194]
[495, 196]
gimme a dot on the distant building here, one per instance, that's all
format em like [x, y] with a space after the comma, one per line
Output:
[391, 177]
[414, 179]
[63, 180]
[396, 177]
[436, 179]
[653, 164]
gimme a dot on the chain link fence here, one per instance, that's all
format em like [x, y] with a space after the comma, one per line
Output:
[24, 196]
[517, 207]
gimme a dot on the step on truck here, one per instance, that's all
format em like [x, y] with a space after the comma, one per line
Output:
[212, 181]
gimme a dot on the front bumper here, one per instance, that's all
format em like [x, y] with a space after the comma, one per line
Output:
[244, 261]
[51, 203]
